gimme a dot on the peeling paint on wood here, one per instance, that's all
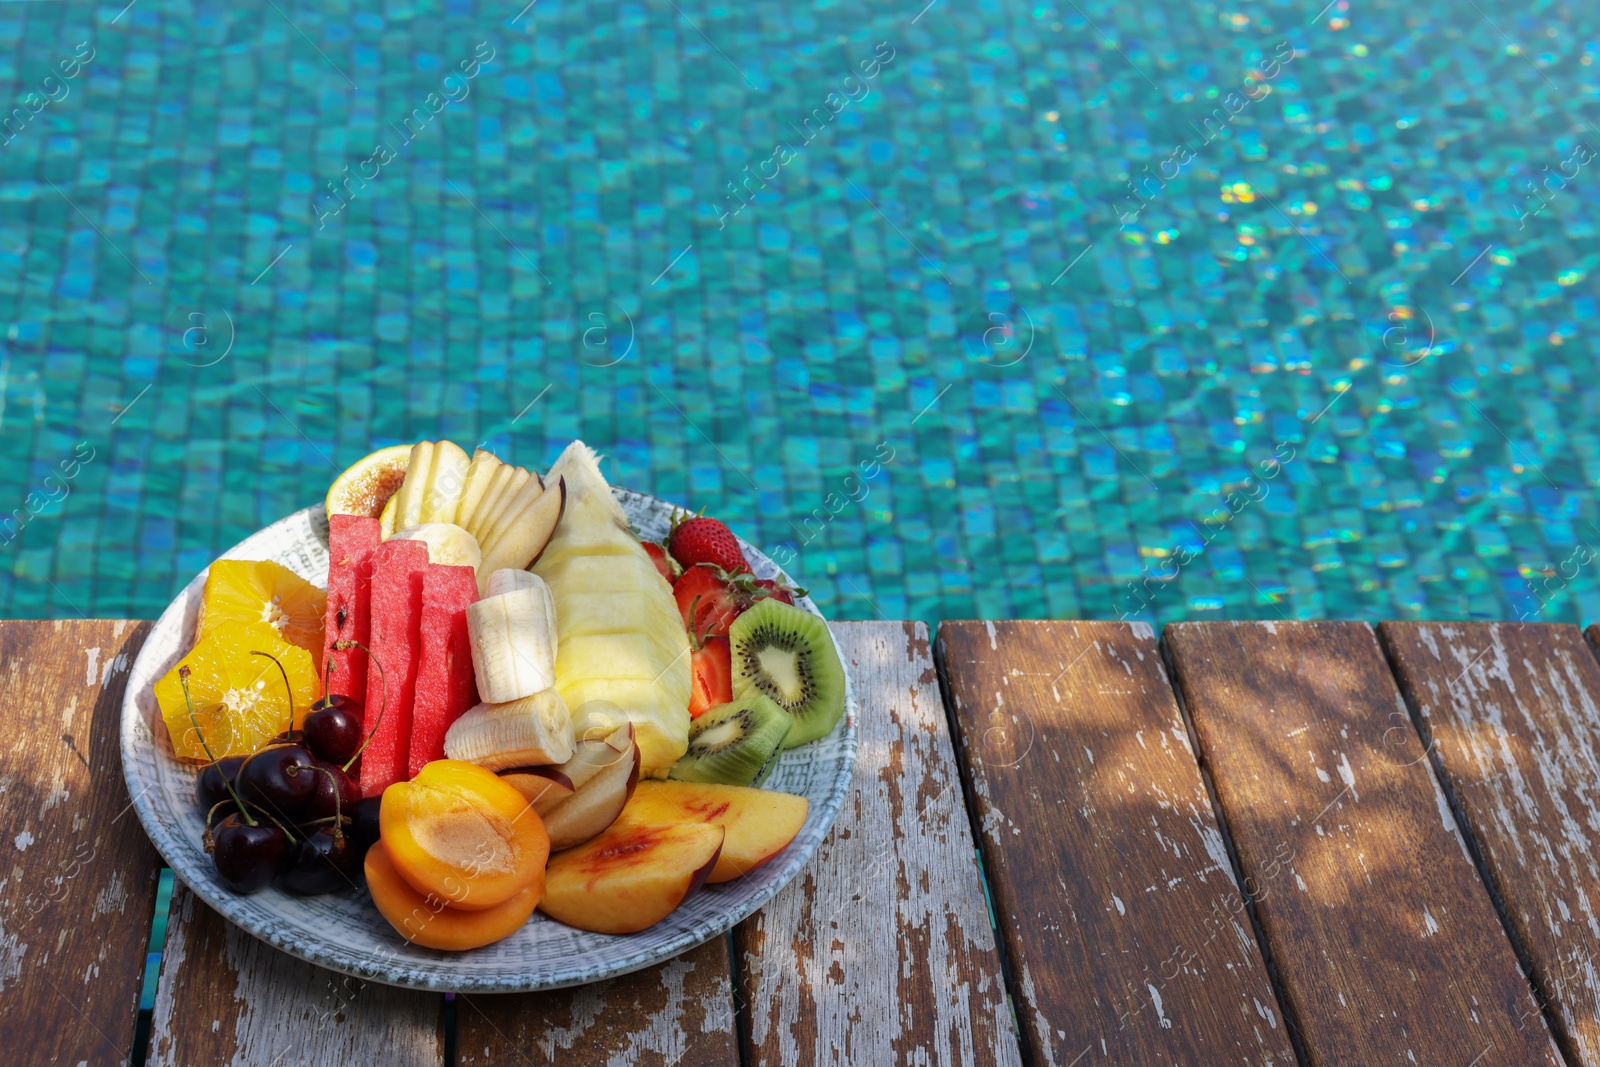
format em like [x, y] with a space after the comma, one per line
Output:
[881, 951]
[226, 998]
[1127, 935]
[1383, 936]
[77, 876]
[674, 1014]
[1512, 716]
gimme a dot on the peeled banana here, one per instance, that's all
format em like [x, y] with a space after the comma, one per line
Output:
[507, 579]
[513, 638]
[621, 637]
[447, 543]
[529, 732]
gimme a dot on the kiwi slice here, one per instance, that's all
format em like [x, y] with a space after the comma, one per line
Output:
[788, 655]
[735, 743]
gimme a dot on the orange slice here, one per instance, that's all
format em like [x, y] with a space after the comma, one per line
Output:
[239, 699]
[264, 592]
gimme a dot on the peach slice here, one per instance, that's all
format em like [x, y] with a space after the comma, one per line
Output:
[462, 834]
[430, 922]
[630, 877]
[760, 823]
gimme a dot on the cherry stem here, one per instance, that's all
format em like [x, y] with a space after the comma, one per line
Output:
[183, 680]
[287, 688]
[383, 697]
[275, 821]
[338, 833]
[327, 673]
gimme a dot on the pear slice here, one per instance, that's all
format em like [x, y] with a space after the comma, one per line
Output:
[513, 506]
[442, 499]
[498, 481]
[386, 520]
[479, 473]
[527, 532]
[408, 509]
[490, 520]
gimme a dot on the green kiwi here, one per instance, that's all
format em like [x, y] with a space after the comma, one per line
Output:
[788, 655]
[736, 743]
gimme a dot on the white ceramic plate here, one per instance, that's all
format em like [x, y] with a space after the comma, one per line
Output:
[343, 931]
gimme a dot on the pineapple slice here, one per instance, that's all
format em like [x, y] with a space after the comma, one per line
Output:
[627, 642]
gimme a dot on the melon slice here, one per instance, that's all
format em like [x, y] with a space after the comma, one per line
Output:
[398, 568]
[445, 684]
[352, 539]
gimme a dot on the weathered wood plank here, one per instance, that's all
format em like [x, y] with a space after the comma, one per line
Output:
[1383, 936]
[675, 1014]
[881, 951]
[226, 997]
[78, 889]
[1125, 929]
[1510, 716]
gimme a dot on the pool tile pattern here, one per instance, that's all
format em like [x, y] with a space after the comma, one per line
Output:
[1079, 309]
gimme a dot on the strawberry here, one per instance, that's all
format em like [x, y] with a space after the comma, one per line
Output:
[664, 563]
[776, 590]
[711, 671]
[702, 540]
[709, 599]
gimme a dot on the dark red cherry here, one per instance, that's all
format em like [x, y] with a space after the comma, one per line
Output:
[209, 790]
[322, 862]
[281, 778]
[333, 728]
[332, 782]
[363, 828]
[288, 737]
[247, 857]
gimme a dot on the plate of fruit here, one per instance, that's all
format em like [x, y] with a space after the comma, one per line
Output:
[469, 727]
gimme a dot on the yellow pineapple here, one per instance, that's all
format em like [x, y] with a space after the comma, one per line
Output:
[620, 637]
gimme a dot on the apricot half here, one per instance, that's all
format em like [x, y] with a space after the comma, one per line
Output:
[428, 921]
[464, 835]
[629, 877]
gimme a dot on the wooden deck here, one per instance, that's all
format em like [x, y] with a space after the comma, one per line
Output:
[1069, 844]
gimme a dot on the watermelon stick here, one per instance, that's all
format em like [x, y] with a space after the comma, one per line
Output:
[383, 698]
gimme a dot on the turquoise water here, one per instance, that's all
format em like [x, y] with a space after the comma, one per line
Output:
[1166, 310]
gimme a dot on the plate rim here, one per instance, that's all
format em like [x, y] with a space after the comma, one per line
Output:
[435, 978]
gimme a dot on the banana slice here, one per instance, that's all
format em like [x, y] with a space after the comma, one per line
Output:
[447, 543]
[513, 639]
[508, 579]
[529, 732]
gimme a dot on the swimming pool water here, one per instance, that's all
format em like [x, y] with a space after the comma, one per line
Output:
[1161, 310]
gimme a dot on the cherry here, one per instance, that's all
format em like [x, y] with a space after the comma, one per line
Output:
[322, 862]
[211, 788]
[246, 857]
[336, 793]
[288, 737]
[283, 779]
[363, 829]
[333, 728]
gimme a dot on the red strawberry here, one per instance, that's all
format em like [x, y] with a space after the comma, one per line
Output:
[711, 670]
[703, 540]
[777, 590]
[664, 563]
[709, 599]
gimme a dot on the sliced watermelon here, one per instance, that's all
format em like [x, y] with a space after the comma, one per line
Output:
[397, 574]
[351, 541]
[445, 683]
